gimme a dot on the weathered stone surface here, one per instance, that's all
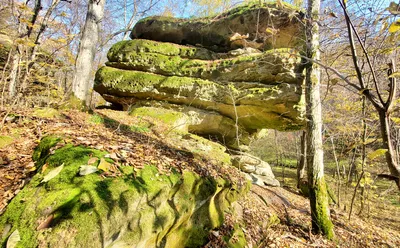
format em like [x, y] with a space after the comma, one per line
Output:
[142, 208]
[262, 26]
[205, 123]
[270, 67]
[262, 180]
[128, 50]
[257, 169]
[256, 105]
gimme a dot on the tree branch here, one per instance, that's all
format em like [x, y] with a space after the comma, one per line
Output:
[352, 29]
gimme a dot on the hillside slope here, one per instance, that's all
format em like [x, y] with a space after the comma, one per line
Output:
[266, 216]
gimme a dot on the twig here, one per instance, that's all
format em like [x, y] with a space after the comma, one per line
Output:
[354, 194]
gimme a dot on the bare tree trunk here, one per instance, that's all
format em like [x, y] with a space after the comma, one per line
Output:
[12, 87]
[87, 49]
[301, 167]
[129, 26]
[383, 107]
[388, 145]
[337, 171]
[320, 213]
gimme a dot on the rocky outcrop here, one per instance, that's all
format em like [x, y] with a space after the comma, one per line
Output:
[264, 26]
[258, 171]
[223, 78]
[64, 207]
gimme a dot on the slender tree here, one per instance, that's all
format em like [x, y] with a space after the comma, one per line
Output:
[87, 49]
[301, 167]
[375, 95]
[320, 213]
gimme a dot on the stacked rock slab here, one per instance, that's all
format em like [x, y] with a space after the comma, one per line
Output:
[237, 73]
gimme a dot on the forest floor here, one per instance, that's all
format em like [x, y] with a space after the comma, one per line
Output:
[269, 216]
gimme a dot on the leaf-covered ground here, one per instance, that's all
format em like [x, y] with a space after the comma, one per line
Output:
[269, 217]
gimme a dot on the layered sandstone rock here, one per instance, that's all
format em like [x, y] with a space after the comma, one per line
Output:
[264, 26]
[223, 78]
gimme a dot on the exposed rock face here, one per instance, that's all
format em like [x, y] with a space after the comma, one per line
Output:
[271, 67]
[265, 27]
[258, 171]
[193, 120]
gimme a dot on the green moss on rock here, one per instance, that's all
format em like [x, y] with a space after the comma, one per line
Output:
[257, 105]
[148, 209]
[129, 49]
[41, 152]
[278, 65]
[237, 238]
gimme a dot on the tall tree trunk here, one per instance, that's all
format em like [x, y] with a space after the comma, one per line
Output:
[87, 49]
[320, 213]
[12, 87]
[388, 145]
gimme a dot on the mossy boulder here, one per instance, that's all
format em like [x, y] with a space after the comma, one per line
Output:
[263, 26]
[240, 70]
[275, 66]
[255, 105]
[140, 208]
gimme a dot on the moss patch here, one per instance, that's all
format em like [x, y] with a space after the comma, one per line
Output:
[46, 113]
[319, 200]
[237, 238]
[127, 50]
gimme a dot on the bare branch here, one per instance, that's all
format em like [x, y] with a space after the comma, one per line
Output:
[351, 30]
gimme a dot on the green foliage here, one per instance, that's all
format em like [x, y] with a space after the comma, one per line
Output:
[96, 119]
[377, 153]
[273, 220]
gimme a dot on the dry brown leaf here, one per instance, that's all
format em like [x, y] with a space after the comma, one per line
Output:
[46, 223]
[92, 160]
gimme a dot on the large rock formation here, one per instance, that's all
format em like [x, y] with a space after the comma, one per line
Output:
[224, 77]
